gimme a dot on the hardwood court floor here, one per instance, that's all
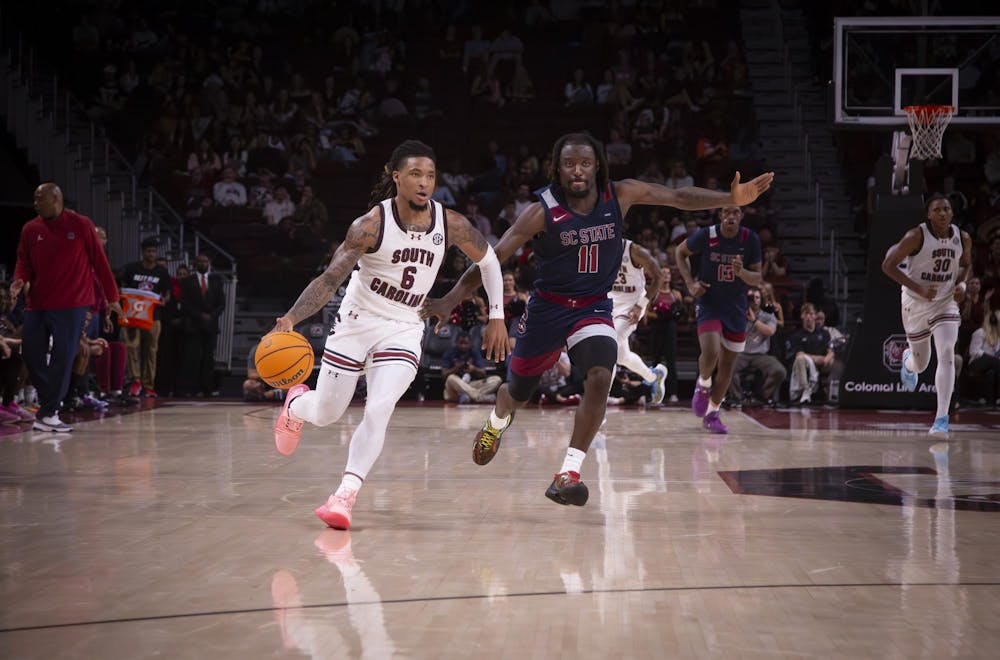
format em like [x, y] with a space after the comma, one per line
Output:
[179, 532]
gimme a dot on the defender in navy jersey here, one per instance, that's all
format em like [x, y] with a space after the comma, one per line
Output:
[720, 293]
[399, 245]
[576, 230]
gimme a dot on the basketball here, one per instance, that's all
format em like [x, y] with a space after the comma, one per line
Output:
[284, 359]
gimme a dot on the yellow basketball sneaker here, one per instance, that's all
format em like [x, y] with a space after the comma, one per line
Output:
[288, 428]
[488, 441]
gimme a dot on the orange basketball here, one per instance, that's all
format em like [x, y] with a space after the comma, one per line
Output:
[284, 359]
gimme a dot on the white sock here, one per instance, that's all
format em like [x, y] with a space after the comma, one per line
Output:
[497, 422]
[573, 461]
[713, 406]
[705, 383]
[350, 482]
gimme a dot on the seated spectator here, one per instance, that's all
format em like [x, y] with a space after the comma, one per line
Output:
[521, 87]
[255, 389]
[679, 178]
[628, 389]
[514, 300]
[578, 91]
[470, 313]
[204, 159]
[711, 148]
[278, 208]
[229, 191]
[11, 371]
[560, 383]
[756, 356]
[235, 156]
[774, 266]
[301, 156]
[464, 371]
[478, 220]
[984, 355]
[811, 354]
[619, 151]
[770, 304]
[306, 227]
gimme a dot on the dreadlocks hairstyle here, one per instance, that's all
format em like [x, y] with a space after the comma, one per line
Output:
[585, 140]
[386, 187]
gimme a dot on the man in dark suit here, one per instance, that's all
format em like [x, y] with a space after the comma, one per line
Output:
[202, 302]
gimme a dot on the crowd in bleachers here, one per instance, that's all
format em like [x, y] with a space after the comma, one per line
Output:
[264, 124]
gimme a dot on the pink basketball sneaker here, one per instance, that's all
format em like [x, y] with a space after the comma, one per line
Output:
[336, 511]
[288, 429]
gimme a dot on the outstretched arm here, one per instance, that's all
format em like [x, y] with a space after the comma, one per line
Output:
[632, 191]
[361, 236]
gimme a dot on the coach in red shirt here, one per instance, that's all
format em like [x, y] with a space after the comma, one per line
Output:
[58, 257]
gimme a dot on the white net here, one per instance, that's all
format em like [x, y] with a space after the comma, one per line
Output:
[927, 124]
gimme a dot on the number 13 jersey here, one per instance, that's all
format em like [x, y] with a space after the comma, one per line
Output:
[394, 278]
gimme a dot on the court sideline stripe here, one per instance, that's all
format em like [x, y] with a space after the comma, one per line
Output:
[526, 594]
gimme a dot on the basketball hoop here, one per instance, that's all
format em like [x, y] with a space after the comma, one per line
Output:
[927, 124]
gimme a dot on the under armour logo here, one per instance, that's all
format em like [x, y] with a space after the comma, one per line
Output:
[415, 237]
[353, 315]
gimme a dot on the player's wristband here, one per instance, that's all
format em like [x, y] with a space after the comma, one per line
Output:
[489, 267]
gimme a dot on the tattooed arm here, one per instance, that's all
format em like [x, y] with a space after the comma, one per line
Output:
[362, 236]
[631, 191]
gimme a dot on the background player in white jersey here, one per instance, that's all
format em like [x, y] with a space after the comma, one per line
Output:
[399, 244]
[629, 300]
[931, 263]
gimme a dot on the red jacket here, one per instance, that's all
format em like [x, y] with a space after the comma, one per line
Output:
[60, 259]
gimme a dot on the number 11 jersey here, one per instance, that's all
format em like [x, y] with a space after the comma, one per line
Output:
[579, 255]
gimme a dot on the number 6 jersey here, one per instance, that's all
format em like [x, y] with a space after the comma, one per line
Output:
[394, 278]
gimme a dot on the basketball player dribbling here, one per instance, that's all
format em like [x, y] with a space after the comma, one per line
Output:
[576, 234]
[931, 263]
[720, 294]
[629, 303]
[399, 244]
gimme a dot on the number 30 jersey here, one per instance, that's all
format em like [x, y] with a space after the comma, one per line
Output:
[726, 292]
[579, 255]
[395, 277]
[935, 264]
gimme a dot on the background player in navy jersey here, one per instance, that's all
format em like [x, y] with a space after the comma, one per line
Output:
[576, 231]
[720, 294]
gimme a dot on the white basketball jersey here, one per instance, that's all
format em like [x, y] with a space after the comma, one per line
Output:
[394, 279]
[630, 287]
[936, 264]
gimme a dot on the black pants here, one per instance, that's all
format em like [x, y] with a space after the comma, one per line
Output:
[663, 348]
[10, 376]
[199, 362]
[51, 378]
[988, 366]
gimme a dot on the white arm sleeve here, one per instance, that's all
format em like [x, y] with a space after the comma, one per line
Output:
[489, 266]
